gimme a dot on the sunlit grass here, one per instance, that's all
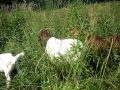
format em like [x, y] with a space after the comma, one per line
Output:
[20, 27]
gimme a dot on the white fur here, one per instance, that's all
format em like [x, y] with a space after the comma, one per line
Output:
[56, 47]
[7, 61]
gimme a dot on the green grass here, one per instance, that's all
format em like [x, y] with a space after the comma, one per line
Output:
[19, 29]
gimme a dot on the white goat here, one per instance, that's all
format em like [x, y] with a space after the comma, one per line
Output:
[56, 47]
[7, 61]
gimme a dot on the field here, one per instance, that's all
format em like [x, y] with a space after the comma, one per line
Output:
[19, 29]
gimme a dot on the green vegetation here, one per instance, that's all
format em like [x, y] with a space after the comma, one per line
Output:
[19, 29]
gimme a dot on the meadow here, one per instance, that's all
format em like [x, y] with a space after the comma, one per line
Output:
[19, 29]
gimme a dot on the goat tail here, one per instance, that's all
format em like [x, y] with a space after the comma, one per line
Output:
[18, 55]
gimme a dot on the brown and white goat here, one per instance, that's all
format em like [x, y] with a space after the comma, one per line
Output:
[55, 47]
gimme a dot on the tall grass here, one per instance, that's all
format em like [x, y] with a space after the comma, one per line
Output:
[19, 30]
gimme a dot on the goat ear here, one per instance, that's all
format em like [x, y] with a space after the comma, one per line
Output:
[74, 32]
